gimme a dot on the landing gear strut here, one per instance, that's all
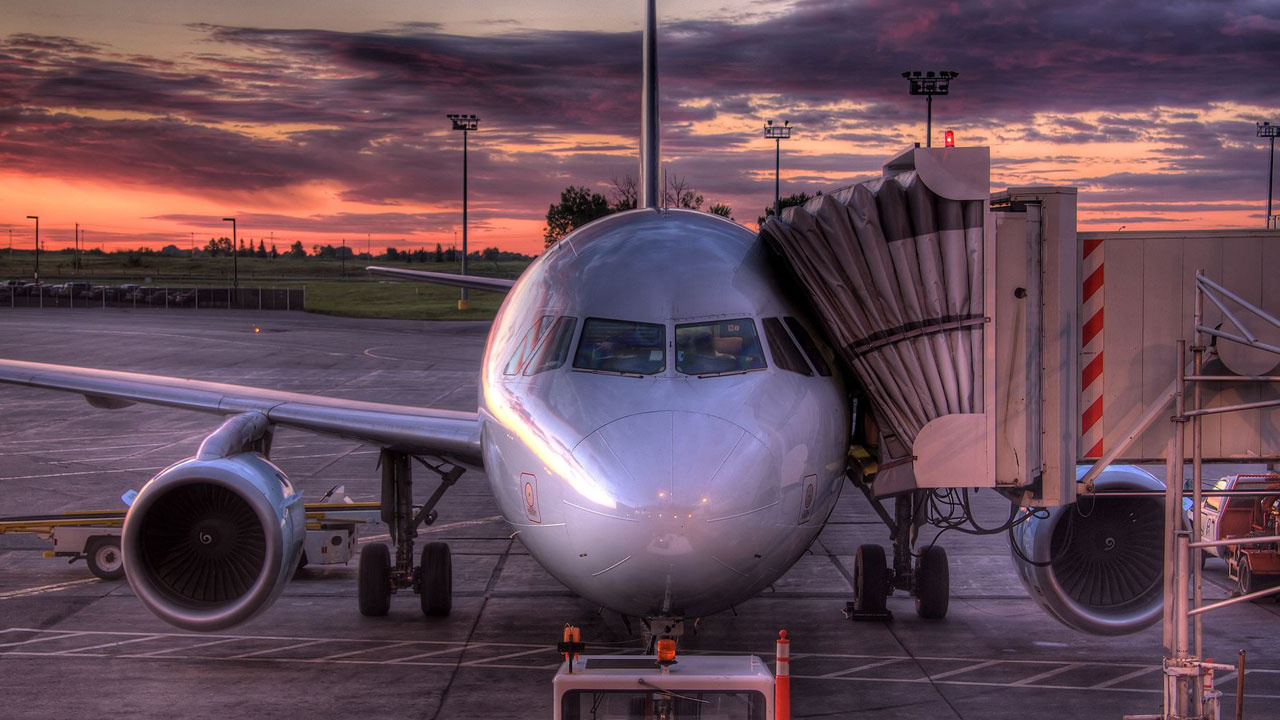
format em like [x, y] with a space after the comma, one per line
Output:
[927, 578]
[432, 578]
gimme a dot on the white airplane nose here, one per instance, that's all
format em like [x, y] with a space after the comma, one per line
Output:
[696, 499]
[659, 463]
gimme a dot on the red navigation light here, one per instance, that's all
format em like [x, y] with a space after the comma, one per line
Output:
[949, 139]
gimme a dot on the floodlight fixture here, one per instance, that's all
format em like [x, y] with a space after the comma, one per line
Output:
[777, 133]
[465, 123]
[1267, 130]
[929, 83]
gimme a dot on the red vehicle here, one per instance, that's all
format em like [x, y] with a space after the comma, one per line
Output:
[1253, 567]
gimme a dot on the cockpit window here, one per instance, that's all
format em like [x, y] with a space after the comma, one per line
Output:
[527, 345]
[553, 351]
[717, 348]
[622, 347]
[785, 353]
[809, 346]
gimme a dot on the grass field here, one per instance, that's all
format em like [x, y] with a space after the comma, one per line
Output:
[329, 291]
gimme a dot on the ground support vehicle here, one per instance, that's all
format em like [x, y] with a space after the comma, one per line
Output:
[1256, 514]
[94, 535]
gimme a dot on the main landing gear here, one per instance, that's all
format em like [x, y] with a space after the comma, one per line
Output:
[380, 576]
[927, 578]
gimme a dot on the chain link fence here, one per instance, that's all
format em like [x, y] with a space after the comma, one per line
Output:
[84, 295]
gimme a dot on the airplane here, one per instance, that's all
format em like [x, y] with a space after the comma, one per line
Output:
[659, 419]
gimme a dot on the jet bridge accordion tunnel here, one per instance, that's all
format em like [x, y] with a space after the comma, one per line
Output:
[959, 317]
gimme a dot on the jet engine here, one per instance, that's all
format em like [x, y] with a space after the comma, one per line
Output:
[1097, 565]
[211, 541]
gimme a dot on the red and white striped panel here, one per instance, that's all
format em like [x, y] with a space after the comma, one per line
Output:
[1091, 425]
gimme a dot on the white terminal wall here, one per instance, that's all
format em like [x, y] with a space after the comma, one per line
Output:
[1149, 295]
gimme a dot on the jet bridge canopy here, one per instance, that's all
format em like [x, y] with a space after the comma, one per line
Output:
[895, 269]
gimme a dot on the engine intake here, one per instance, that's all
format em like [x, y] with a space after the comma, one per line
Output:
[209, 543]
[1097, 565]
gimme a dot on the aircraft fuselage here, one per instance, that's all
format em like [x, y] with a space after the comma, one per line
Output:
[641, 429]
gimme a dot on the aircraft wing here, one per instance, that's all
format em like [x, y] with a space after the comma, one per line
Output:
[402, 428]
[471, 282]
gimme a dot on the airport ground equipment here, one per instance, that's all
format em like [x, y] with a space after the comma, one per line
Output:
[1249, 506]
[94, 535]
[662, 685]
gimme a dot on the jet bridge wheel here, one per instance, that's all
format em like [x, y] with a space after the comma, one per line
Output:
[870, 580]
[102, 554]
[435, 580]
[933, 583]
[374, 587]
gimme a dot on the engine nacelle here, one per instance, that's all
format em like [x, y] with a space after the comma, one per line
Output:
[209, 543]
[1098, 564]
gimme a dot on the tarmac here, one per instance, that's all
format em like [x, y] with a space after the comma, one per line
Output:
[75, 646]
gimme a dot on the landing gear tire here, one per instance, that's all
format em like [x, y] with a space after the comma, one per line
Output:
[102, 554]
[374, 589]
[870, 579]
[435, 580]
[1244, 575]
[933, 584]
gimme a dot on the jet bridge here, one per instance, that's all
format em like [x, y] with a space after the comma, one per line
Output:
[998, 348]
[910, 277]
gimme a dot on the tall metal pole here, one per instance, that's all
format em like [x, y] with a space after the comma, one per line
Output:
[75, 249]
[1271, 171]
[37, 272]
[650, 196]
[465, 123]
[464, 300]
[1267, 130]
[928, 121]
[777, 133]
[235, 254]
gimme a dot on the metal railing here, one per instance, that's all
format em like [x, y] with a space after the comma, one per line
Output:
[196, 298]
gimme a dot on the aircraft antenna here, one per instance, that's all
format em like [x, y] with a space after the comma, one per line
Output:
[649, 156]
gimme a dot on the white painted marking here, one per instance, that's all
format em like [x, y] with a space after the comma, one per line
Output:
[868, 666]
[508, 656]
[365, 650]
[28, 592]
[962, 670]
[154, 653]
[33, 641]
[1046, 675]
[455, 648]
[268, 651]
[1123, 678]
[104, 645]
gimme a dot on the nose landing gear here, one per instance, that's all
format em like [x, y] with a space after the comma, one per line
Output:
[432, 578]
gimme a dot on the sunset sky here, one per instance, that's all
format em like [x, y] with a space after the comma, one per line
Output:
[317, 120]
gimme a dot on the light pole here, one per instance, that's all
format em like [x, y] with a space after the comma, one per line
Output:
[37, 273]
[928, 84]
[235, 254]
[1267, 130]
[777, 133]
[465, 123]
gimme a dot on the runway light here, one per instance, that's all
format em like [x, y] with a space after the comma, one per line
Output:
[949, 139]
[257, 329]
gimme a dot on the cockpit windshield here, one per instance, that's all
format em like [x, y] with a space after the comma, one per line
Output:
[622, 347]
[717, 348]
